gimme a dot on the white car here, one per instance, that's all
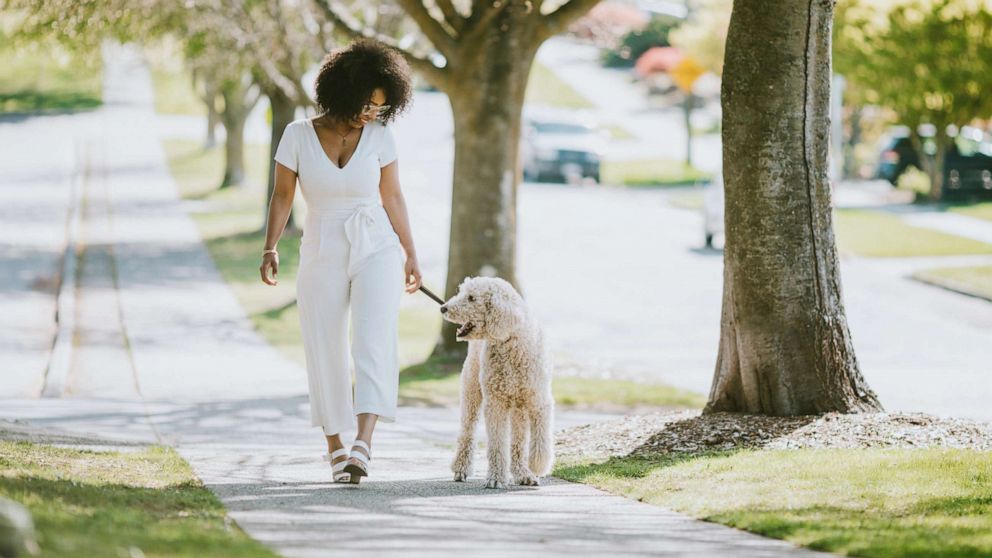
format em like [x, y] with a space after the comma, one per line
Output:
[713, 211]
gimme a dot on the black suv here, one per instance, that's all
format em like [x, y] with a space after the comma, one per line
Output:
[967, 164]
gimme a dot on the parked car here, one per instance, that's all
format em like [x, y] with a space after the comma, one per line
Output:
[967, 164]
[560, 146]
[713, 210]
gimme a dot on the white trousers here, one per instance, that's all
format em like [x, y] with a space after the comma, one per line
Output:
[350, 257]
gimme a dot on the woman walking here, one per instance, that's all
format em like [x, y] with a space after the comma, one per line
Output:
[352, 249]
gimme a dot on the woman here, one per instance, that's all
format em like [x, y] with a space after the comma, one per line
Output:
[351, 253]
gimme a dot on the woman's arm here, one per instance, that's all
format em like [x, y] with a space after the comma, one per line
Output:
[395, 205]
[280, 206]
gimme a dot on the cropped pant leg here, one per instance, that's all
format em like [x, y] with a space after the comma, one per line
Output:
[322, 286]
[376, 290]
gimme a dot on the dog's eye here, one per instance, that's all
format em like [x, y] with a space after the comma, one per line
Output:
[471, 298]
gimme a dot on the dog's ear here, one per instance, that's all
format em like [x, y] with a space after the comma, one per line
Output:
[504, 315]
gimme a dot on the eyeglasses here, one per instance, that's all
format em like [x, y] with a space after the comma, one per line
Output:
[374, 110]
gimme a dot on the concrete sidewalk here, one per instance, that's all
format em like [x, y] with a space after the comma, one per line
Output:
[262, 459]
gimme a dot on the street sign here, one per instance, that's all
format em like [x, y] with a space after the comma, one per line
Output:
[685, 73]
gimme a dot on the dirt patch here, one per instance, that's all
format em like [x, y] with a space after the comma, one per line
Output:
[689, 432]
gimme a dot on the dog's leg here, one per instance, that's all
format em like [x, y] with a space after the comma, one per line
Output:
[518, 447]
[542, 443]
[470, 400]
[497, 430]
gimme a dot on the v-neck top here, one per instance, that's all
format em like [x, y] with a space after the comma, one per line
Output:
[321, 180]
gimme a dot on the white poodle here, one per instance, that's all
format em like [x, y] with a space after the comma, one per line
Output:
[507, 372]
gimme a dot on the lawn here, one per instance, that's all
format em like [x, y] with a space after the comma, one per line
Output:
[651, 172]
[230, 221]
[135, 503]
[45, 76]
[873, 503]
[876, 234]
[974, 281]
[979, 210]
[546, 88]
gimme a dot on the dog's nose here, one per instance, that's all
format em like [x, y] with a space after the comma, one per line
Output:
[444, 309]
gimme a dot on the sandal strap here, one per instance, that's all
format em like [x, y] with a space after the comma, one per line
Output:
[331, 456]
[361, 443]
[360, 457]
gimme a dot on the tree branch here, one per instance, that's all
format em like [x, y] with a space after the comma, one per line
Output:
[483, 14]
[439, 77]
[451, 15]
[559, 20]
[430, 27]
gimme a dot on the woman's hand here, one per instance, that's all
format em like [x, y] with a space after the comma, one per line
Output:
[411, 274]
[270, 261]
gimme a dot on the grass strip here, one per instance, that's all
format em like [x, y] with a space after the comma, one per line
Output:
[859, 502]
[108, 503]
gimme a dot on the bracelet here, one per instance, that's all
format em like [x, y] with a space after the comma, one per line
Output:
[274, 251]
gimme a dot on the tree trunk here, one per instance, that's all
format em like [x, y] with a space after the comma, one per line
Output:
[487, 103]
[283, 112]
[785, 348]
[238, 102]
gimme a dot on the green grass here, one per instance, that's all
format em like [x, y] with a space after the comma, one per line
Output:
[87, 503]
[45, 76]
[436, 382]
[174, 93]
[619, 132]
[975, 281]
[229, 221]
[650, 172]
[875, 234]
[872, 503]
[546, 88]
[979, 210]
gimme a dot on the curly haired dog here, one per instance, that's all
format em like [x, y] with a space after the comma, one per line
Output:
[508, 373]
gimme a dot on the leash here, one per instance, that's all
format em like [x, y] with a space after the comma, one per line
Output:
[427, 291]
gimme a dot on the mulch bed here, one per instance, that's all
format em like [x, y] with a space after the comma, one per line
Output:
[689, 433]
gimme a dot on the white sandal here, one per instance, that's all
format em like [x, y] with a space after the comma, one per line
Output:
[337, 468]
[360, 469]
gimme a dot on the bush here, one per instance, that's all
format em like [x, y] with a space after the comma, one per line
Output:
[636, 43]
[916, 181]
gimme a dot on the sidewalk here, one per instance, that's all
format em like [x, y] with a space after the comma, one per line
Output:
[205, 382]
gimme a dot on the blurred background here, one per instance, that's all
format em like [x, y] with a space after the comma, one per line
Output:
[129, 126]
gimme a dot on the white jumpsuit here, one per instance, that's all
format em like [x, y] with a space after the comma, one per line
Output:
[349, 255]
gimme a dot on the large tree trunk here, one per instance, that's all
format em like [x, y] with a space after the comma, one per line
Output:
[785, 348]
[283, 112]
[486, 102]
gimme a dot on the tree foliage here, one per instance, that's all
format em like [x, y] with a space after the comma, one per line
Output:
[930, 61]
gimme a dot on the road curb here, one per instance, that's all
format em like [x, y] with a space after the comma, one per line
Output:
[60, 361]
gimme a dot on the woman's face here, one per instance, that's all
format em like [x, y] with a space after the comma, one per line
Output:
[378, 99]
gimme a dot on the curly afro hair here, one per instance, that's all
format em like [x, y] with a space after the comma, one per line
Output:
[349, 75]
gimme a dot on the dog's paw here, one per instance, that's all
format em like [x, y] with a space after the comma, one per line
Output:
[527, 480]
[461, 476]
[493, 482]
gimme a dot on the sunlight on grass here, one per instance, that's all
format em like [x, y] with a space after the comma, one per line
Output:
[875, 503]
[870, 233]
[546, 88]
[979, 210]
[87, 503]
[651, 172]
[45, 76]
[975, 281]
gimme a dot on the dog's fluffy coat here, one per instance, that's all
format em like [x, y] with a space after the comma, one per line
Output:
[507, 374]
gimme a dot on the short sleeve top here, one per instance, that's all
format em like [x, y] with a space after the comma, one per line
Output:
[321, 180]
